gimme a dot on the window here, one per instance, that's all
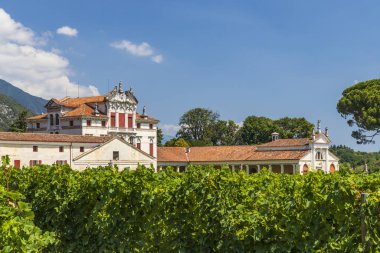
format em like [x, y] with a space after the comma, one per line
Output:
[130, 120]
[138, 145]
[34, 162]
[131, 140]
[38, 125]
[81, 149]
[115, 155]
[88, 122]
[319, 155]
[113, 119]
[57, 119]
[61, 162]
[17, 164]
[151, 147]
[35, 148]
[138, 125]
[71, 123]
[122, 120]
[150, 126]
[51, 119]
[104, 123]
[61, 149]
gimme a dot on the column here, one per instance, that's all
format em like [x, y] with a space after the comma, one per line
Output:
[282, 169]
[116, 120]
[247, 169]
[327, 168]
[270, 168]
[177, 168]
[294, 169]
[241, 166]
[233, 167]
[258, 168]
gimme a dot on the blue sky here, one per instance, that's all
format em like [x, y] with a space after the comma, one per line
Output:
[239, 58]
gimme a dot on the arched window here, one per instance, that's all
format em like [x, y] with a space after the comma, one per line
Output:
[319, 155]
[51, 119]
[57, 119]
[305, 169]
[332, 168]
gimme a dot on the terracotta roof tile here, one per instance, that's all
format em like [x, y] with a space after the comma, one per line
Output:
[36, 137]
[287, 143]
[224, 153]
[83, 110]
[41, 116]
[139, 116]
[75, 102]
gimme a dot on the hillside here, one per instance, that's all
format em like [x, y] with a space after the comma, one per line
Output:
[33, 103]
[9, 110]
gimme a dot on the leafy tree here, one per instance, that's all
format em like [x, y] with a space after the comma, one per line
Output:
[360, 104]
[160, 137]
[196, 125]
[224, 132]
[180, 142]
[19, 124]
[294, 127]
[256, 130]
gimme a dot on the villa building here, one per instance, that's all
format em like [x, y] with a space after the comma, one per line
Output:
[290, 156]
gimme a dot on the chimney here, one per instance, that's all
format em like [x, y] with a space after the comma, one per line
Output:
[121, 87]
[275, 136]
[327, 132]
[144, 115]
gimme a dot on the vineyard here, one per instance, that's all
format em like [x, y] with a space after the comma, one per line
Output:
[55, 209]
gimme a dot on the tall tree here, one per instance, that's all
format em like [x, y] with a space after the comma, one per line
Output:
[256, 130]
[160, 137]
[19, 124]
[224, 132]
[360, 105]
[196, 125]
[294, 127]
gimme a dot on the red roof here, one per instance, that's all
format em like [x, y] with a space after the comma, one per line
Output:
[224, 154]
[75, 102]
[287, 143]
[83, 110]
[36, 137]
[37, 117]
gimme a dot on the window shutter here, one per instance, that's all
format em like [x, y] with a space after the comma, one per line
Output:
[65, 161]
[30, 163]
[39, 162]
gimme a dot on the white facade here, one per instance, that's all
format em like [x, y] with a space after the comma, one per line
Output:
[79, 155]
[113, 114]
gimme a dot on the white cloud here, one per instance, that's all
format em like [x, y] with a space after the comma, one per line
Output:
[67, 31]
[141, 50]
[157, 58]
[169, 129]
[37, 71]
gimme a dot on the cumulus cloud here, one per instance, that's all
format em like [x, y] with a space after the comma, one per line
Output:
[67, 31]
[157, 58]
[169, 129]
[37, 71]
[141, 50]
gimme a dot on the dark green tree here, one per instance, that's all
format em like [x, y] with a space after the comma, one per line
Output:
[196, 126]
[294, 127]
[224, 133]
[256, 130]
[160, 137]
[360, 105]
[19, 124]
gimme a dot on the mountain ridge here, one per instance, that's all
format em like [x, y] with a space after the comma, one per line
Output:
[32, 103]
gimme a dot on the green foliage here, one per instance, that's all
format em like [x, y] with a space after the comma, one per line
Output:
[360, 104]
[10, 111]
[257, 130]
[160, 137]
[357, 159]
[202, 210]
[19, 124]
[196, 125]
[224, 132]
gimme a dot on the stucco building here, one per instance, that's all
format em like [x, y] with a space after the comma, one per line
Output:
[290, 156]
